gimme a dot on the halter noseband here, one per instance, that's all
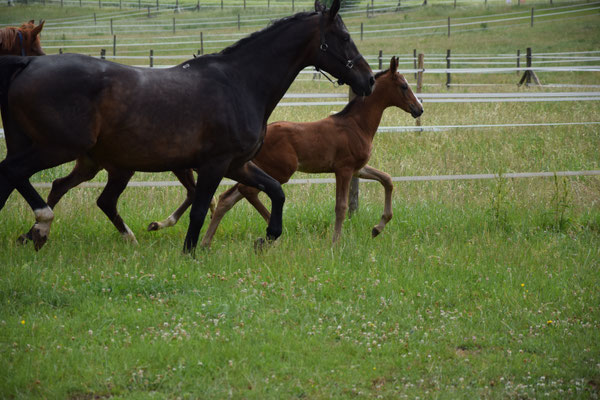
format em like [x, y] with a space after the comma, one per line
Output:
[20, 36]
[324, 47]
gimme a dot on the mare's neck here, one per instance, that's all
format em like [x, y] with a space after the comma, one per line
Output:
[269, 62]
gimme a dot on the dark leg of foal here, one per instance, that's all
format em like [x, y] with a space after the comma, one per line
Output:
[84, 170]
[15, 171]
[342, 185]
[249, 174]
[209, 177]
[116, 184]
[186, 177]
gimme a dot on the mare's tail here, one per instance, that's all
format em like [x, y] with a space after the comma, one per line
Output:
[10, 66]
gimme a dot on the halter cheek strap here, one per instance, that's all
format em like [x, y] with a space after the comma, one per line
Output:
[20, 36]
[324, 47]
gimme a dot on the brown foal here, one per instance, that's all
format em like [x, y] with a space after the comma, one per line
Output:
[340, 143]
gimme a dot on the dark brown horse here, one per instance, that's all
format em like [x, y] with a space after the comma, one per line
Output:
[22, 41]
[208, 114]
[340, 144]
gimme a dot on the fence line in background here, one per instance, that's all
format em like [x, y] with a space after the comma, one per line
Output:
[422, 178]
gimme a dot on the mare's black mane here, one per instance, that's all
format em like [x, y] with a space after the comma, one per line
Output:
[272, 26]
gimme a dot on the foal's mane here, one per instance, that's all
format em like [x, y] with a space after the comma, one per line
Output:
[348, 106]
[272, 26]
[8, 36]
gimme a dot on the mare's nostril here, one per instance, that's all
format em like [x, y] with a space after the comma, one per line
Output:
[372, 80]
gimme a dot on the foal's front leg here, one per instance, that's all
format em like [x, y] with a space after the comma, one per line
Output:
[342, 185]
[368, 172]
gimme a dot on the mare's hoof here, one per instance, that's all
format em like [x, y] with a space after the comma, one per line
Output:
[39, 239]
[153, 226]
[375, 232]
[24, 238]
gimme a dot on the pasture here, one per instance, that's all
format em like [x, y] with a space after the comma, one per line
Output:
[475, 289]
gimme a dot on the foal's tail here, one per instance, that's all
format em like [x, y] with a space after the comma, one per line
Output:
[10, 67]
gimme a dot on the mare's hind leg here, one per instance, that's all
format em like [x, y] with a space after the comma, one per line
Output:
[15, 172]
[84, 170]
[117, 182]
[249, 174]
[186, 177]
[368, 172]
[226, 202]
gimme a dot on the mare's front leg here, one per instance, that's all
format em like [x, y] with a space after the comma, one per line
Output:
[342, 185]
[368, 172]
[250, 175]
[116, 184]
[85, 169]
[209, 177]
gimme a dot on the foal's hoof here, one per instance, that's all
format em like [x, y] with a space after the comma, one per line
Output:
[259, 245]
[376, 231]
[153, 226]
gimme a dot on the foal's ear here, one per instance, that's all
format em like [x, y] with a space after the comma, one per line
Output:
[319, 7]
[394, 65]
[31, 21]
[37, 29]
[335, 7]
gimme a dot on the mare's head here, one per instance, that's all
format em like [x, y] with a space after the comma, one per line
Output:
[24, 40]
[392, 84]
[338, 54]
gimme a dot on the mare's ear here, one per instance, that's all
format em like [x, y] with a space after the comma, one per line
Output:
[394, 65]
[335, 7]
[319, 7]
[37, 29]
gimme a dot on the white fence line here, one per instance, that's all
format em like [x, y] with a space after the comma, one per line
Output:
[424, 128]
[422, 178]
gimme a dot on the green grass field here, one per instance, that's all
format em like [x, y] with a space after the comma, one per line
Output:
[475, 289]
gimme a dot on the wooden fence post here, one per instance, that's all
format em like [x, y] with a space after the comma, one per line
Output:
[529, 74]
[173, 24]
[114, 45]
[353, 190]
[531, 16]
[518, 61]
[94, 18]
[148, 11]
[201, 43]
[151, 58]
[448, 76]
[380, 58]
[238, 21]
[111, 26]
[103, 54]
[361, 31]
[421, 67]
[415, 62]
[221, 4]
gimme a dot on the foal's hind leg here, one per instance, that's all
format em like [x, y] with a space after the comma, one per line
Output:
[117, 182]
[84, 170]
[226, 202]
[368, 172]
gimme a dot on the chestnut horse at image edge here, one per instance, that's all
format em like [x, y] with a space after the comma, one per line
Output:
[209, 113]
[340, 143]
[22, 41]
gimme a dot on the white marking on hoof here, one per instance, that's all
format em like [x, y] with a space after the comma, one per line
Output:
[43, 220]
[129, 236]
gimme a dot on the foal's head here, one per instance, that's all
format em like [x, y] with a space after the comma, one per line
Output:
[24, 40]
[338, 54]
[391, 83]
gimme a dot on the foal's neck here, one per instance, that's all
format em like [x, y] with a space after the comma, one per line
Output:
[367, 112]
